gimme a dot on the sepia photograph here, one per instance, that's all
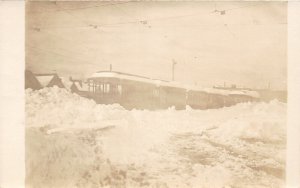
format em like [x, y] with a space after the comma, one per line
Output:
[162, 94]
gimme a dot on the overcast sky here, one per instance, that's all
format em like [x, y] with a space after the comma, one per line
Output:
[245, 45]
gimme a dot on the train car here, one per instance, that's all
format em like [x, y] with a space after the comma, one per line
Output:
[228, 101]
[244, 96]
[198, 99]
[172, 95]
[130, 91]
[133, 91]
[139, 95]
[104, 88]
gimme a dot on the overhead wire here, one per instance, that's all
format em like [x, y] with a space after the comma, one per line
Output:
[222, 12]
[81, 8]
[86, 24]
[139, 21]
[143, 21]
[146, 21]
[56, 36]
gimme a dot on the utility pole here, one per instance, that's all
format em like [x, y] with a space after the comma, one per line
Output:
[110, 67]
[173, 68]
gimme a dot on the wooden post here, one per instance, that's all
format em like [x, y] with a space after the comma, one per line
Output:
[173, 69]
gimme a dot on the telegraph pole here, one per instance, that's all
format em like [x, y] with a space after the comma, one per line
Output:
[173, 68]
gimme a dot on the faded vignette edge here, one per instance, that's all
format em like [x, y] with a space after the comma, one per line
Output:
[12, 61]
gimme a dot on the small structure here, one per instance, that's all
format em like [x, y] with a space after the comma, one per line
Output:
[49, 80]
[31, 81]
[79, 87]
[67, 82]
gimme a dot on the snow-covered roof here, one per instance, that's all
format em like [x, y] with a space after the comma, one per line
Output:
[67, 83]
[232, 92]
[216, 91]
[111, 74]
[254, 94]
[44, 79]
[104, 74]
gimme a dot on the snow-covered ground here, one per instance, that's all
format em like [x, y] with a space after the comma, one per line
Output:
[73, 142]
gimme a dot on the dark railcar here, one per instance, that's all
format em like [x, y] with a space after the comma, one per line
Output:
[128, 93]
[138, 95]
[229, 101]
[197, 99]
[172, 96]
[239, 98]
[139, 92]
[216, 101]
[105, 90]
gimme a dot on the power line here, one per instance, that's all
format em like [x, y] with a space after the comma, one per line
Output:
[146, 21]
[83, 21]
[242, 7]
[80, 8]
[139, 21]
[226, 26]
[223, 11]
[127, 14]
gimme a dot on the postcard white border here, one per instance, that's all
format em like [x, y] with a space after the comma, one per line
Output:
[12, 61]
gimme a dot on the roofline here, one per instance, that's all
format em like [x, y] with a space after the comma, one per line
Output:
[176, 85]
[127, 74]
[47, 74]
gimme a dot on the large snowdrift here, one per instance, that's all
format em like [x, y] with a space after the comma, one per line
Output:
[72, 141]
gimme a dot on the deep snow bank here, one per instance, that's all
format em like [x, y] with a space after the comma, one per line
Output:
[56, 107]
[239, 146]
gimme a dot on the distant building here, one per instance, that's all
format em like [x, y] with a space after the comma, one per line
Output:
[79, 87]
[49, 80]
[31, 81]
[67, 83]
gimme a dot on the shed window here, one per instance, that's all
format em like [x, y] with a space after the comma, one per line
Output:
[156, 92]
[119, 89]
[106, 88]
